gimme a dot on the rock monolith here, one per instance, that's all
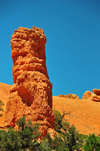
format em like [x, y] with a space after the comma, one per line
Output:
[31, 93]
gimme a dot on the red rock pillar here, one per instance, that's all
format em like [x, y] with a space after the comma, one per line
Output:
[31, 93]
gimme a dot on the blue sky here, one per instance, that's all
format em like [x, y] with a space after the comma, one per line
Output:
[72, 29]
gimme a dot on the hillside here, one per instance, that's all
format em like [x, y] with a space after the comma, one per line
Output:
[84, 114]
[4, 92]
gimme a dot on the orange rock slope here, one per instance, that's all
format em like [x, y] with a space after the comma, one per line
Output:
[4, 92]
[31, 93]
[85, 114]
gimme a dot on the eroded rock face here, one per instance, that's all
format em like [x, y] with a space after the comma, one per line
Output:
[93, 96]
[86, 95]
[31, 93]
[96, 91]
[96, 95]
[72, 96]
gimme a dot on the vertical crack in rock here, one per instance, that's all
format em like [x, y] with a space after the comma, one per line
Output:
[31, 93]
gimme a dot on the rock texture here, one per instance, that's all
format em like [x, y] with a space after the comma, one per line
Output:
[96, 95]
[31, 93]
[93, 96]
[84, 114]
[86, 95]
[72, 96]
[96, 91]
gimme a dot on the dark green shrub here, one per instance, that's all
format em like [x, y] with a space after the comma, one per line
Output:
[72, 139]
[56, 144]
[24, 137]
[10, 141]
[28, 133]
[83, 137]
[44, 145]
[57, 121]
[92, 143]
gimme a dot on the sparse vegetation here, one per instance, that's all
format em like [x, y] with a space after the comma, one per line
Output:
[67, 138]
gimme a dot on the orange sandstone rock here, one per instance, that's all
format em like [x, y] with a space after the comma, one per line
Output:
[95, 97]
[31, 93]
[72, 96]
[96, 91]
[86, 95]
